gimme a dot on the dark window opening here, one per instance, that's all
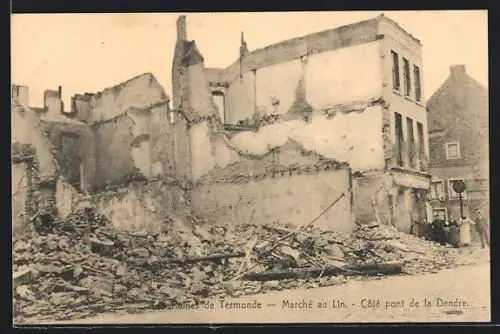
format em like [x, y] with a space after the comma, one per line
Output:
[407, 78]
[412, 154]
[71, 159]
[418, 89]
[395, 71]
[399, 139]
[420, 129]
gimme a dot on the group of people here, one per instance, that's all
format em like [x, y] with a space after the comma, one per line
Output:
[453, 232]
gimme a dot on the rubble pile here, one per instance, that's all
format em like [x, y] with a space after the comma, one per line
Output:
[85, 266]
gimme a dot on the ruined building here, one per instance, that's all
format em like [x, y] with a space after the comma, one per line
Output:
[285, 129]
[458, 132]
[333, 120]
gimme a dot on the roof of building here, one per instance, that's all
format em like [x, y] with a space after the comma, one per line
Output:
[460, 98]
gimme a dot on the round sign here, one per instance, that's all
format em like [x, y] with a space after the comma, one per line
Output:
[459, 186]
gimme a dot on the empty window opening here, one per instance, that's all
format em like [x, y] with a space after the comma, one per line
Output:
[219, 100]
[418, 88]
[399, 139]
[412, 153]
[407, 78]
[395, 71]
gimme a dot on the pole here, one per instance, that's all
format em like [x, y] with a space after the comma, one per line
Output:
[461, 205]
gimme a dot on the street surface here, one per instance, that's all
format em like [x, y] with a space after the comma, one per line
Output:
[387, 299]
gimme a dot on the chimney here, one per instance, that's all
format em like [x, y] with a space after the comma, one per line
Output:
[457, 72]
[52, 101]
[181, 28]
[20, 94]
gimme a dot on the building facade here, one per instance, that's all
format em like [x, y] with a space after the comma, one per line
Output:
[459, 145]
[352, 94]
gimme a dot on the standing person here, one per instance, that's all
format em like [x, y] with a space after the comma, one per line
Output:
[422, 230]
[454, 233]
[465, 226]
[438, 226]
[482, 228]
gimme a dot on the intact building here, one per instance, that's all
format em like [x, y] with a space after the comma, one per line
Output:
[459, 146]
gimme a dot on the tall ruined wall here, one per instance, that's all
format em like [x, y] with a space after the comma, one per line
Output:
[114, 163]
[329, 78]
[295, 199]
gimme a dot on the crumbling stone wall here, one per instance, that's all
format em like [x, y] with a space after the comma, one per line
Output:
[143, 205]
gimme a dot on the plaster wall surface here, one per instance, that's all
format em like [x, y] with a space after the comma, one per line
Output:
[297, 199]
[355, 138]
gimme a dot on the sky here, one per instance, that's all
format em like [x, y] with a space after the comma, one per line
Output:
[89, 52]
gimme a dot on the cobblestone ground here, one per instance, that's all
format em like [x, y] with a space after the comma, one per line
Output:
[465, 290]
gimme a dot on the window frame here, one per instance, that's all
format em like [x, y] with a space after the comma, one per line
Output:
[407, 77]
[418, 83]
[447, 152]
[396, 75]
[441, 182]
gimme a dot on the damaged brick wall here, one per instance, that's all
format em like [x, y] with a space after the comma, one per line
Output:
[295, 199]
[143, 205]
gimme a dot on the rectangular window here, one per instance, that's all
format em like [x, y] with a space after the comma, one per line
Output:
[421, 145]
[412, 153]
[399, 139]
[437, 190]
[219, 102]
[451, 193]
[452, 150]
[395, 71]
[407, 78]
[418, 89]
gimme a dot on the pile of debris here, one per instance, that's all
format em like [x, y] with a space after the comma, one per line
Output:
[86, 267]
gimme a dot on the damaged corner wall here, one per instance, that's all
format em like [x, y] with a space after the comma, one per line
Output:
[372, 196]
